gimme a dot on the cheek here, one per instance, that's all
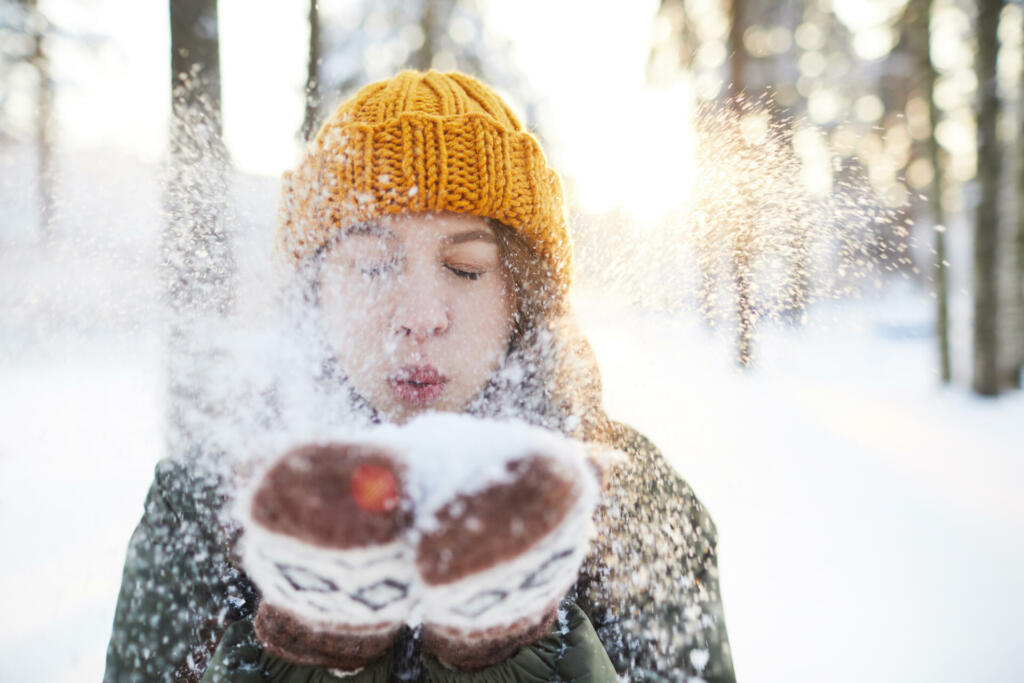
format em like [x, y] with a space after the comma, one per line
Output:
[488, 316]
[354, 324]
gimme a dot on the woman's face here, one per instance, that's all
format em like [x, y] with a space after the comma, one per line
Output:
[418, 310]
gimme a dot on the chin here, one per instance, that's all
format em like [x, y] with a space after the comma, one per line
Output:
[400, 413]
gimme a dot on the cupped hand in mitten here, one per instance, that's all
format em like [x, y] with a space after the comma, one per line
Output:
[474, 529]
[324, 543]
[495, 558]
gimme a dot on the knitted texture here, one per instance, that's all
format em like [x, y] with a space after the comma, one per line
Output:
[424, 142]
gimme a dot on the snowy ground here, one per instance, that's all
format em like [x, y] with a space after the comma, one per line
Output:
[870, 524]
[871, 527]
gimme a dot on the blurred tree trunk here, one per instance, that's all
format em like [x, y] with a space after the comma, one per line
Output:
[198, 265]
[311, 118]
[986, 379]
[1018, 276]
[799, 289]
[423, 57]
[741, 260]
[919, 15]
[737, 52]
[681, 45]
[44, 127]
[941, 269]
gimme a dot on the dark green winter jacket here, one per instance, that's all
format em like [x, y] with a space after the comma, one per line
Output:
[647, 595]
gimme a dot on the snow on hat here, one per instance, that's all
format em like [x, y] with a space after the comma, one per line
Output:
[424, 142]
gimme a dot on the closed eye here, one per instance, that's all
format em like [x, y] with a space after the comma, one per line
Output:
[464, 274]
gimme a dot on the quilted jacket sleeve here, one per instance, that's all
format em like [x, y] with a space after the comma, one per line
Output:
[650, 583]
[178, 590]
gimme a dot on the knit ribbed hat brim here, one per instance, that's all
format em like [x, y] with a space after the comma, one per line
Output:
[424, 142]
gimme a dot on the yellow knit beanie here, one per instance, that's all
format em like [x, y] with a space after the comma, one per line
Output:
[424, 142]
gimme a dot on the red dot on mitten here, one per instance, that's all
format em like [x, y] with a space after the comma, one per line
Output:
[374, 488]
[340, 496]
[324, 530]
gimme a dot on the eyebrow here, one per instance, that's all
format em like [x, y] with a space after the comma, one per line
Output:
[369, 229]
[471, 235]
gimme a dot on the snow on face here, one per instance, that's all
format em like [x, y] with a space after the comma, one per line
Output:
[418, 310]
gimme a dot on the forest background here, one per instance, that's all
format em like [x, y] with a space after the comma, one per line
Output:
[801, 252]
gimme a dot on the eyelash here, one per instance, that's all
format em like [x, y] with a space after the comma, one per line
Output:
[464, 274]
[385, 268]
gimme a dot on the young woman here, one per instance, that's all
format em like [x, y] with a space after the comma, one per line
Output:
[426, 230]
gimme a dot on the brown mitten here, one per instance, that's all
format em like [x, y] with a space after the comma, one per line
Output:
[324, 542]
[501, 525]
[496, 562]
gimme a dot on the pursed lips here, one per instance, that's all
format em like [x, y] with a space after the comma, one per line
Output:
[418, 384]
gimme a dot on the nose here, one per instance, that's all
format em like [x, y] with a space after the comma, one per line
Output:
[422, 310]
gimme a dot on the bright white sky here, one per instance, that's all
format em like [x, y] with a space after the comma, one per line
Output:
[616, 139]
